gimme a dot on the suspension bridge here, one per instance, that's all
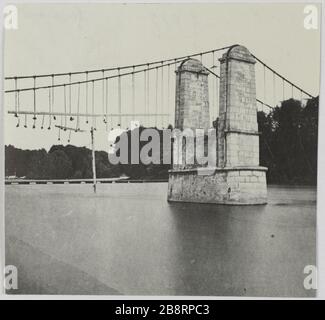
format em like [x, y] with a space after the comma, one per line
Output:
[116, 95]
[144, 94]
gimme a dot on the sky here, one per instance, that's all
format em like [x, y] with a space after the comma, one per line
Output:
[54, 38]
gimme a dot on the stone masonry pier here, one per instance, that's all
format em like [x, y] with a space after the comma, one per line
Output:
[237, 177]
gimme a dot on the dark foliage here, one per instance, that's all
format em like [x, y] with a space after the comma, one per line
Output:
[148, 171]
[288, 142]
[71, 162]
[61, 162]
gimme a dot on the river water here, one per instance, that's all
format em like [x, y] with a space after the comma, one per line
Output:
[128, 240]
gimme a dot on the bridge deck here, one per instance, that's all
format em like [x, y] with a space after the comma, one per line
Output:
[79, 181]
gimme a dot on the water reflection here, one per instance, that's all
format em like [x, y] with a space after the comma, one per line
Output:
[244, 250]
[129, 238]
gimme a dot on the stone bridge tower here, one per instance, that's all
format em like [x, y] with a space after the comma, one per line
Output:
[236, 177]
[192, 96]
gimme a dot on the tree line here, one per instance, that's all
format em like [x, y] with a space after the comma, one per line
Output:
[288, 142]
[288, 147]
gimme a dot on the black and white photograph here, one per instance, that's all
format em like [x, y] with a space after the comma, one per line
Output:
[161, 149]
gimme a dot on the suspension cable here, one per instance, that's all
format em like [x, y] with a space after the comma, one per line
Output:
[78, 108]
[148, 95]
[16, 98]
[212, 104]
[145, 91]
[65, 107]
[34, 100]
[103, 95]
[168, 93]
[156, 108]
[91, 80]
[93, 106]
[280, 76]
[119, 99]
[43, 118]
[87, 96]
[274, 91]
[133, 93]
[264, 104]
[283, 89]
[71, 118]
[133, 74]
[53, 96]
[106, 105]
[50, 109]
[264, 83]
[162, 92]
[118, 68]
[18, 103]
[175, 60]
